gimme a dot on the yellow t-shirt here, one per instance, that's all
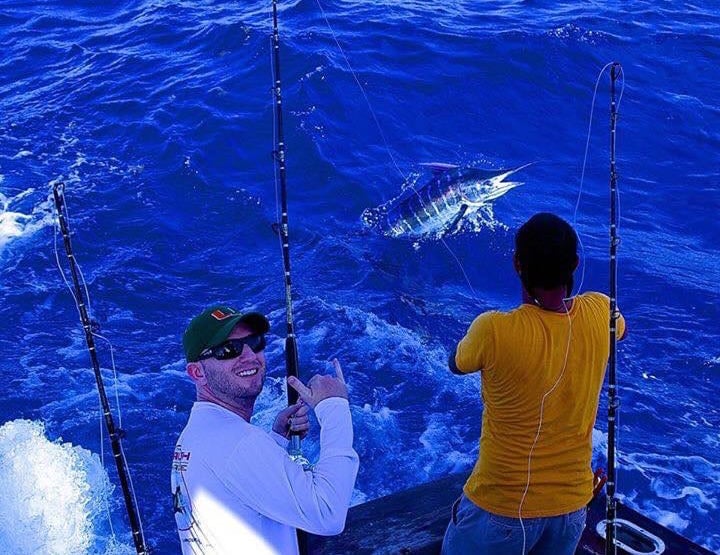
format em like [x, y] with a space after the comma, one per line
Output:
[522, 354]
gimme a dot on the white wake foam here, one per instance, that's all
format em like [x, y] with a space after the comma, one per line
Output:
[54, 495]
[17, 220]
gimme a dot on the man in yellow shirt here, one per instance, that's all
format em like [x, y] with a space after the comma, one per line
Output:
[543, 365]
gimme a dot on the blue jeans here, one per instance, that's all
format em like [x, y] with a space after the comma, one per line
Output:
[475, 531]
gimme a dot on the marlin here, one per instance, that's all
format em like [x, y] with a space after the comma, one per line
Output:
[437, 208]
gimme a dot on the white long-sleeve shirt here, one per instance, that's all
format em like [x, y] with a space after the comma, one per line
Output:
[236, 490]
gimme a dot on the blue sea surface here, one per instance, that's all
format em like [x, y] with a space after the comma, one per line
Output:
[158, 117]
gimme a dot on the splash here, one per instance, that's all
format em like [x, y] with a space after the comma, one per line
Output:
[55, 495]
[18, 222]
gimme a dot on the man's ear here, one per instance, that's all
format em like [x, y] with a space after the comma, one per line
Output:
[196, 372]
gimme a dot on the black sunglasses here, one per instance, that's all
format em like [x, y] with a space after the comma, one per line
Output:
[233, 348]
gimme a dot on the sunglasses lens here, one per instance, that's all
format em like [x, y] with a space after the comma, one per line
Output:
[255, 342]
[233, 348]
[227, 350]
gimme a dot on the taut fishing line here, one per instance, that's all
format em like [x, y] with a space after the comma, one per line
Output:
[584, 164]
[362, 90]
[409, 183]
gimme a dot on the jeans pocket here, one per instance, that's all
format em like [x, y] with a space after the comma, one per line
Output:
[505, 521]
[576, 521]
[502, 529]
[454, 510]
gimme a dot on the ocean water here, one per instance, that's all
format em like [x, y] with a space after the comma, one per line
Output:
[157, 116]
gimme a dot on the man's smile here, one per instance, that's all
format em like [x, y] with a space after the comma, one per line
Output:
[248, 372]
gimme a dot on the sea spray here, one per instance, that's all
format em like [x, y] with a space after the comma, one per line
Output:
[55, 495]
[21, 218]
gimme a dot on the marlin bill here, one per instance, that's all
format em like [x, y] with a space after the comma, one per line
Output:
[439, 207]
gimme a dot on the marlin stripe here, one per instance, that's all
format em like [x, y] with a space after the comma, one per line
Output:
[451, 188]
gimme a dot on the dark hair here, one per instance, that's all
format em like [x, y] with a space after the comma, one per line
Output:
[546, 250]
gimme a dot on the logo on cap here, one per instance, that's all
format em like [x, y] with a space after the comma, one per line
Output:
[220, 315]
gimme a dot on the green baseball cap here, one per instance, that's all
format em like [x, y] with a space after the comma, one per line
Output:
[213, 325]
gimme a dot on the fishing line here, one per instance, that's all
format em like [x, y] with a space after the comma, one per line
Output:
[405, 179]
[115, 378]
[540, 421]
[83, 282]
[362, 90]
[274, 144]
[584, 165]
[77, 265]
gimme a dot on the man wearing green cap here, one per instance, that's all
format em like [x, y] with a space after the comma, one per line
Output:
[235, 489]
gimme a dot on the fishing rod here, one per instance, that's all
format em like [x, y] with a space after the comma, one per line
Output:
[291, 352]
[613, 399]
[114, 433]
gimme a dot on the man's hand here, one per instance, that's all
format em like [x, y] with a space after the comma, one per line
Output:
[321, 387]
[293, 419]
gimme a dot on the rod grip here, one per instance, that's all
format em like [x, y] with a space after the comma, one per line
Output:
[291, 364]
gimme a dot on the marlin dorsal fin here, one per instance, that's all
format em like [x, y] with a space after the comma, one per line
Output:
[438, 168]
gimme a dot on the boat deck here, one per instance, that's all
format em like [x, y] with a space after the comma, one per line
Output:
[414, 521]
